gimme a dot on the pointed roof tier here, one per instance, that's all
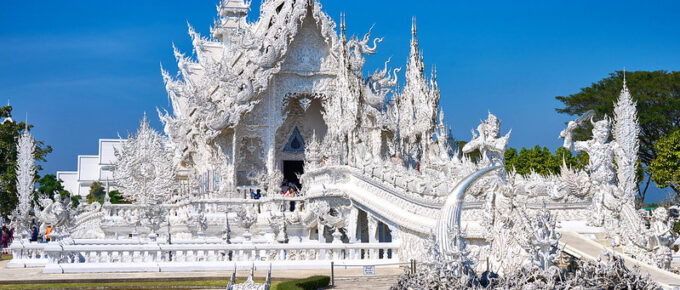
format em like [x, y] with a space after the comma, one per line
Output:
[232, 15]
[418, 103]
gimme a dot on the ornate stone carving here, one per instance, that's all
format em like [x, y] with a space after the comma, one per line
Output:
[25, 182]
[88, 222]
[247, 217]
[143, 170]
[54, 213]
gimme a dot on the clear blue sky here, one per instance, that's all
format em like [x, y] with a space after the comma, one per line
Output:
[85, 70]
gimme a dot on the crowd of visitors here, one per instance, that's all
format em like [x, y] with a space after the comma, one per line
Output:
[288, 189]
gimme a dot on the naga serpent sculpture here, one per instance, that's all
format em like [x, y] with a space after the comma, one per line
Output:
[449, 218]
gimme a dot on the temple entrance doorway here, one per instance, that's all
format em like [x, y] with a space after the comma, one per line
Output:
[291, 169]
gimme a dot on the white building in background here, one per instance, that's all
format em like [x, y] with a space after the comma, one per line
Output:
[91, 168]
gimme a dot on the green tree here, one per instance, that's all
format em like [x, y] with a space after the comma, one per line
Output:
[457, 145]
[75, 201]
[9, 133]
[657, 94]
[117, 197]
[665, 168]
[49, 185]
[542, 160]
[97, 193]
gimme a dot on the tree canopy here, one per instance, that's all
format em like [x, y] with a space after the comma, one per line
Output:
[97, 193]
[49, 185]
[542, 160]
[117, 197]
[657, 94]
[9, 133]
[665, 168]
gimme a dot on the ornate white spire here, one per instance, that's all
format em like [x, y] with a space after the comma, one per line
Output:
[626, 132]
[414, 38]
[418, 103]
[25, 176]
[343, 24]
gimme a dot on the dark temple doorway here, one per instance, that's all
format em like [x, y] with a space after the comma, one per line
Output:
[291, 168]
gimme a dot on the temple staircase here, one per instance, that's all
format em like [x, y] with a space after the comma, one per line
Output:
[582, 247]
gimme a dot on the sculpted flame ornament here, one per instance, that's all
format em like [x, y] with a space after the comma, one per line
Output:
[143, 170]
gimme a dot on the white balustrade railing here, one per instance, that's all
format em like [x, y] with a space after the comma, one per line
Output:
[27, 254]
[208, 206]
[194, 257]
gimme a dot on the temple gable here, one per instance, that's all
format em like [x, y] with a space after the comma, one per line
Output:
[308, 53]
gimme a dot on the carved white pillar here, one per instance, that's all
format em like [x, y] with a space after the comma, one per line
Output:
[352, 221]
[274, 119]
[320, 232]
[375, 142]
[271, 152]
[372, 229]
[372, 236]
[234, 172]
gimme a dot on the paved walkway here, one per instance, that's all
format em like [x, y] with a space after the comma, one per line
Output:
[378, 282]
[344, 277]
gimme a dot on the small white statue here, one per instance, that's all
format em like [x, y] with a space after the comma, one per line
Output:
[55, 213]
[662, 238]
[489, 142]
[600, 150]
[601, 162]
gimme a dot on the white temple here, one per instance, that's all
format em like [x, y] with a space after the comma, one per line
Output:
[284, 99]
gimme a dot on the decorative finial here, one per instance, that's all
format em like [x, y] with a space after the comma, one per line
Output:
[343, 26]
[414, 26]
[434, 74]
[624, 76]
[625, 85]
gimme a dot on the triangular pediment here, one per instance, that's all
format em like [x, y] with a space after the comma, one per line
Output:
[308, 52]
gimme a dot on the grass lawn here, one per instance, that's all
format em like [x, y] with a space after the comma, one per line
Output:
[128, 285]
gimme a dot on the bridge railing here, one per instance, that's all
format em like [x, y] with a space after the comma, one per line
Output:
[27, 254]
[193, 257]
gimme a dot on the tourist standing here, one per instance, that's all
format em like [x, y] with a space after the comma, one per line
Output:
[284, 187]
[47, 233]
[34, 234]
[256, 195]
[291, 193]
[5, 238]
